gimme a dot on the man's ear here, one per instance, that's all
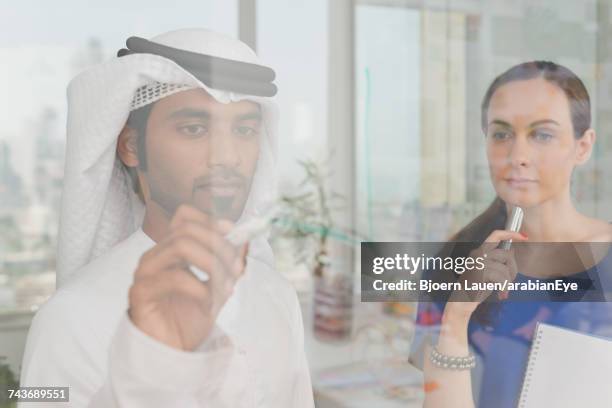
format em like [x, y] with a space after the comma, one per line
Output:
[127, 146]
[584, 146]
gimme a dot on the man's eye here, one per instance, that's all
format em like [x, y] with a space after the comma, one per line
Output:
[193, 130]
[246, 131]
[542, 136]
[500, 135]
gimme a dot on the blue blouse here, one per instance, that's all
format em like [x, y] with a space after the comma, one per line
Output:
[502, 347]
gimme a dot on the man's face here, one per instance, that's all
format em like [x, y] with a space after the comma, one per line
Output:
[202, 152]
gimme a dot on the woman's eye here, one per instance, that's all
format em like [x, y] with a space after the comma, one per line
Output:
[193, 130]
[246, 131]
[542, 136]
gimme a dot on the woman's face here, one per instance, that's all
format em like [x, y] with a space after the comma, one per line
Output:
[530, 142]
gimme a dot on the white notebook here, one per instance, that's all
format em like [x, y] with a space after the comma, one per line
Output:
[567, 369]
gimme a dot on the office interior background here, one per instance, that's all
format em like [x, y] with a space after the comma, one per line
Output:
[384, 95]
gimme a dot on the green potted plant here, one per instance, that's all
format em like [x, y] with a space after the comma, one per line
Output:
[306, 218]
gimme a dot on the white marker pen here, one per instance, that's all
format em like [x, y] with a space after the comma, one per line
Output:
[238, 236]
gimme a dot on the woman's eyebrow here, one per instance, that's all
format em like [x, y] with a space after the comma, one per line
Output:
[544, 122]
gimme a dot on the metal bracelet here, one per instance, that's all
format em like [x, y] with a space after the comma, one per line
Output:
[452, 362]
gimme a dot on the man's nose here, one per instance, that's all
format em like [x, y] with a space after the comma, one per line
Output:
[223, 151]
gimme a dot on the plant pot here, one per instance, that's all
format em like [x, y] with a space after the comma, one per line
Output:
[333, 308]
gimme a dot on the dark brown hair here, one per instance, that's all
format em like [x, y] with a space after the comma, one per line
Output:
[138, 120]
[494, 217]
[565, 79]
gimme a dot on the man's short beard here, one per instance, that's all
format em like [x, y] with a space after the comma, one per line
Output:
[221, 207]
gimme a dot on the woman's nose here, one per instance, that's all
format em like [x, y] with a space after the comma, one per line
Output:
[519, 154]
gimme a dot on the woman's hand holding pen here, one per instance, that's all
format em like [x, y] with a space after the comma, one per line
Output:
[499, 265]
[455, 386]
[167, 301]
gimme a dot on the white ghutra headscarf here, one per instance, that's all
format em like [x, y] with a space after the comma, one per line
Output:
[99, 207]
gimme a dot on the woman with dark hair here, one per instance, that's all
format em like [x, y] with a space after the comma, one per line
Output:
[536, 118]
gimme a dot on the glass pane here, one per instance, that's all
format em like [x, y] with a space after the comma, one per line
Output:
[388, 77]
[40, 55]
[420, 76]
[292, 38]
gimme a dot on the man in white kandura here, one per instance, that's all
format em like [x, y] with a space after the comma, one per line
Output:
[170, 150]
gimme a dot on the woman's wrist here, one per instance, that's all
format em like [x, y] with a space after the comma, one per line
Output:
[453, 331]
[457, 312]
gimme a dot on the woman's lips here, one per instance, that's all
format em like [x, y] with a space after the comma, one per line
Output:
[519, 182]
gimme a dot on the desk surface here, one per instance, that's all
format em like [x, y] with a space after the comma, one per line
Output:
[350, 373]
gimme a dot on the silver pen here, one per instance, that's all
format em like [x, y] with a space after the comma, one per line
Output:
[512, 224]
